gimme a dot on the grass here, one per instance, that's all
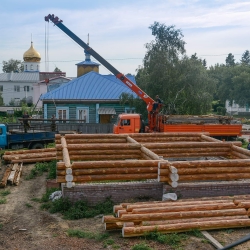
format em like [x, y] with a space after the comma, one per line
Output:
[87, 235]
[172, 239]
[141, 246]
[42, 167]
[1, 226]
[28, 205]
[77, 210]
[3, 201]
[5, 192]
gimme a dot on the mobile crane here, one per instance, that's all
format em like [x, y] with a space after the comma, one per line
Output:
[149, 101]
[133, 123]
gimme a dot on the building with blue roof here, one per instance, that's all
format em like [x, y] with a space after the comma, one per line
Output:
[91, 97]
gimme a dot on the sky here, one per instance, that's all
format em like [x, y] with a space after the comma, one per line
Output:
[118, 30]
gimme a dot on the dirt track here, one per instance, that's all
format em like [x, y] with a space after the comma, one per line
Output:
[25, 226]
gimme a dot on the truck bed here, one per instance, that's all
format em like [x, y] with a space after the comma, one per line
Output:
[213, 129]
[36, 136]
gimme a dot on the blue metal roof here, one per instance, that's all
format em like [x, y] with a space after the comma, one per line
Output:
[91, 86]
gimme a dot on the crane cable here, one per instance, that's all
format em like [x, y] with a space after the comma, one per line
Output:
[47, 55]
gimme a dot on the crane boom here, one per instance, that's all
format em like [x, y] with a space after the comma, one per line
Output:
[58, 22]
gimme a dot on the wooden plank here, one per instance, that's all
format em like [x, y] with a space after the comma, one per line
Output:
[212, 240]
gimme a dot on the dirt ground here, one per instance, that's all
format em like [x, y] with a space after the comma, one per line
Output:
[23, 225]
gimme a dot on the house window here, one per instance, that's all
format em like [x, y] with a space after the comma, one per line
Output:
[26, 67]
[37, 68]
[82, 115]
[1, 88]
[31, 67]
[125, 122]
[17, 88]
[26, 88]
[62, 114]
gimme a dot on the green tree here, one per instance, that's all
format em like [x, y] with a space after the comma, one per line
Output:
[230, 61]
[57, 70]
[182, 82]
[245, 59]
[12, 65]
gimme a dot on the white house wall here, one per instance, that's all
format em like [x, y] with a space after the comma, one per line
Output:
[9, 92]
[235, 108]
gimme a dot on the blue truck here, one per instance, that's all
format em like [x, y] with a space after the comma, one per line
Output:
[19, 139]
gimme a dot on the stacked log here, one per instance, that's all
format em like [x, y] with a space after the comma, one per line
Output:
[206, 170]
[191, 149]
[12, 174]
[178, 216]
[168, 137]
[89, 171]
[30, 156]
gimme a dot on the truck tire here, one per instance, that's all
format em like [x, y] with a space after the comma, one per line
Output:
[37, 146]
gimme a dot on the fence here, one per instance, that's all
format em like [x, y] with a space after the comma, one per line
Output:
[84, 128]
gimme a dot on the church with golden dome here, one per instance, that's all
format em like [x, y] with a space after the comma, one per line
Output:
[29, 84]
[31, 59]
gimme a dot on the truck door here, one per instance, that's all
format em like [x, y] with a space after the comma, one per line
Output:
[3, 136]
[126, 126]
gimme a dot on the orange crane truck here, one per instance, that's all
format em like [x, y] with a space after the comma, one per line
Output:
[133, 123]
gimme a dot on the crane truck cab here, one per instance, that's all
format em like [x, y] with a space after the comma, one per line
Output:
[129, 123]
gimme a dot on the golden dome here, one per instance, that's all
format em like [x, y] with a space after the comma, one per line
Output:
[31, 55]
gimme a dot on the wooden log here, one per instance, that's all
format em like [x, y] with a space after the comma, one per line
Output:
[239, 155]
[149, 153]
[169, 139]
[97, 152]
[173, 215]
[66, 157]
[117, 177]
[28, 151]
[168, 134]
[214, 170]
[173, 177]
[245, 204]
[115, 164]
[172, 169]
[17, 172]
[199, 207]
[183, 214]
[96, 140]
[117, 207]
[130, 207]
[131, 140]
[94, 146]
[110, 219]
[6, 175]
[209, 139]
[207, 225]
[225, 176]
[93, 136]
[113, 226]
[206, 163]
[63, 142]
[240, 150]
[14, 167]
[103, 157]
[178, 155]
[34, 160]
[187, 145]
[219, 218]
[100, 171]
[145, 157]
[30, 155]
[190, 150]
